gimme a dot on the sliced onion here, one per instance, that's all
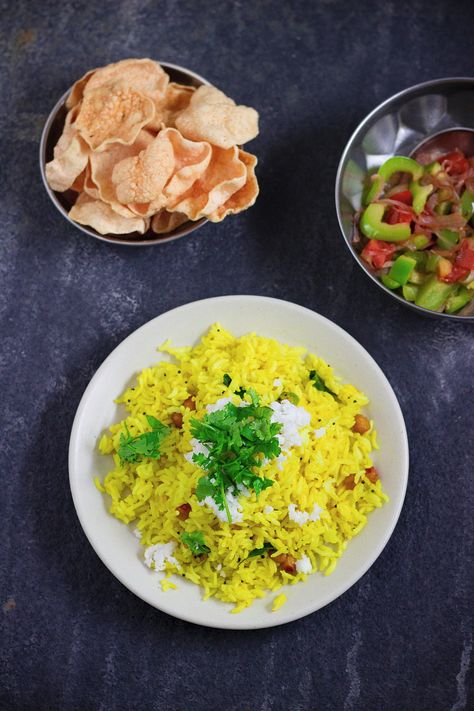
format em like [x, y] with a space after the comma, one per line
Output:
[441, 180]
[470, 184]
[394, 203]
[438, 222]
[432, 201]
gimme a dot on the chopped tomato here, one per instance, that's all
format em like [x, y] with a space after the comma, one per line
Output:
[465, 257]
[457, 273]
[376, 252]
[405, 196]
[394, 215]
[457, 163]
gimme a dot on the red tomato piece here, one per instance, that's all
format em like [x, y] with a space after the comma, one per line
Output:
[465, 257]
[377, 252]
[457, 273]
[404, 196]
[394, 215]
[458, 163]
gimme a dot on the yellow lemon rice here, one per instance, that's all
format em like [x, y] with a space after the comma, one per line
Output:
[147, 493]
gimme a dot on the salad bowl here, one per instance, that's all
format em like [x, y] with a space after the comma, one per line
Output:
[406, 124]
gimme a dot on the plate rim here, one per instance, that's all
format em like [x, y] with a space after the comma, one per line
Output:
[271, 620]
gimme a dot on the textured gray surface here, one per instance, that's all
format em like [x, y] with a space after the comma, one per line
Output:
[71, 636]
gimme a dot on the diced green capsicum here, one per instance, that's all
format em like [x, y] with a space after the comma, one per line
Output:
[375, 189]
[410, 291]
[420, 258]
[457, 300]
[420, 196]
[417, 277]
[389, 282]
[420, 241]
[401, 269]
[433, 293]
[444, 207]
[447, 239]
[397, 164]
[401, 164]
[433, 168]
[372, 226]
[432, 262]
[467, 204]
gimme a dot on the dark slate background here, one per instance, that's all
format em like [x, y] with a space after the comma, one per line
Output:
[71, 636]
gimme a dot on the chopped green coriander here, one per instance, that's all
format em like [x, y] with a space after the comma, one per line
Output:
[143, 445]
[239, 440]
[240, 392]
[195, 542]
[319, 383]
[227, 379]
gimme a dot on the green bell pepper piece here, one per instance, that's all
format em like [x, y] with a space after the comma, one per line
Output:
[410, 291]
[420, 195]
[456, 301]
[375, 188]
[433, 293]
[417, 277]
[401, 164]
[419, 257]
[433, 168]
[402, 268]
[389, 282]
[443, 208]
[372, 226]
[447, 239]
[467, 204]
[420, 241]
[432, 262]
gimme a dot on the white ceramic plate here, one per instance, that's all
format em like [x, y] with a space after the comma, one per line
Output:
[292, 324]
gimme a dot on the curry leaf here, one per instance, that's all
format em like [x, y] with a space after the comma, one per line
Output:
[267, 547]
[319, 383]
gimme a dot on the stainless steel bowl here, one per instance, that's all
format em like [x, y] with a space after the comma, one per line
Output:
[63, 201]
[399, 126]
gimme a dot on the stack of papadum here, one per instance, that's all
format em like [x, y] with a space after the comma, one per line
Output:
[143, 152]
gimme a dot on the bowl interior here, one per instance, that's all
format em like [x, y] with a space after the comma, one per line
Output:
[399, 126]
[65, 200]
[289, 323]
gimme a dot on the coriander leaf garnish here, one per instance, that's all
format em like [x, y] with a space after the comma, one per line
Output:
[240, 392]
[238, 440]
[319, 383]
[195, 542]
[204, 487]
[267, 547]
[143, 445]
[254, 397]
[227, 379]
